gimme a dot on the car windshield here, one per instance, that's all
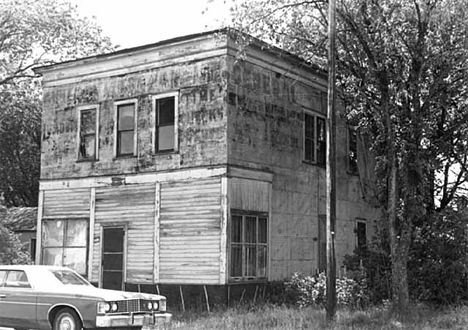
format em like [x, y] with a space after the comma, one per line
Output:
[69, 278]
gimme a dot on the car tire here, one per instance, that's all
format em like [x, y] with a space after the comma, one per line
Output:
[67, 319]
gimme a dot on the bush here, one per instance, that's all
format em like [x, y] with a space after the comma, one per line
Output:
[11, 251]
[312, 290]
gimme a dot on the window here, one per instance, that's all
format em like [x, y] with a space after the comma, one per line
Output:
[322, 243]
[165, 112]
[88, 133]
[65, 244]
[361, 234]
[14, 279]
[248, 246]
[32, 249]
[352, 150]
[126, 128]
[314, 139]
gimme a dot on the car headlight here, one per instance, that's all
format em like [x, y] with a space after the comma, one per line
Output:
[155, 305]
[103, 307]
[114, 306]
[150, 305]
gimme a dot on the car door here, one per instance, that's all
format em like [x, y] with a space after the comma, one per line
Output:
[17, 301]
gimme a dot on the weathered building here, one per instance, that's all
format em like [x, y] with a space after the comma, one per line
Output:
[182, 163]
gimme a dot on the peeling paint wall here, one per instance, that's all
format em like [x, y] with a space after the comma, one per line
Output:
[202, 120]
[265, 132]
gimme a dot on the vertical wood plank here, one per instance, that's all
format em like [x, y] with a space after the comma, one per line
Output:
[101, 235]
[39, 227]
[157, 212]
[224, 219]
[269, 228]
[92, 208]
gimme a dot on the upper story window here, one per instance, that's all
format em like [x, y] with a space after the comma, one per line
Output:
[248, 246]
[166, 116]
[88, 123]
[361, 233]
[125, 128]
[314, 138]
[352, 150]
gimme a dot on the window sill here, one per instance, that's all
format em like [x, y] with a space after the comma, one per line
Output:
[312, 163]
[124, 157]
[90, 160]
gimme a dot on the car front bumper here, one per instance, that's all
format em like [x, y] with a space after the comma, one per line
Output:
[137, 320]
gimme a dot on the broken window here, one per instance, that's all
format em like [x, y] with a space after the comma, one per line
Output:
[88, 134]
[64, 243]
[314, 139]
[248, 245]
[165, 109]
[352, 150]
[126, 141]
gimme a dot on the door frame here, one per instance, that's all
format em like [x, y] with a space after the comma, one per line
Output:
[124, 226]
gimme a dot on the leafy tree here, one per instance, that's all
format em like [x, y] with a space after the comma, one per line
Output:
[33, 33]
[402, 67]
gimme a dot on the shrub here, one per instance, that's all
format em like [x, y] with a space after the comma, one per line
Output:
[312, 290]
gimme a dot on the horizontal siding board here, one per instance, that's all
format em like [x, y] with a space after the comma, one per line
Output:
[72, 202]
[190, 216]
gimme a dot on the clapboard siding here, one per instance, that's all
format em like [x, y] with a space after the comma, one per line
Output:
[190, 232]
[66, 203]
[251, 195]
[133, 206]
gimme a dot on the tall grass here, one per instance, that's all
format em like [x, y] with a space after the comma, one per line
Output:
[288, 318]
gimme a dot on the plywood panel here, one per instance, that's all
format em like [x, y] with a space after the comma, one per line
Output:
[190, 232]
[133, 206]
[251, 195]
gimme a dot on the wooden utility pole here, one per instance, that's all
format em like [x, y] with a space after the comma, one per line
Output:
[331, 165]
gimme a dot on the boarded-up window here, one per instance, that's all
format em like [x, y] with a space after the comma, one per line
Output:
[165, 109]
[248, 245]
[314, 138]
[64, 243]
[126, 129]
[88, 134]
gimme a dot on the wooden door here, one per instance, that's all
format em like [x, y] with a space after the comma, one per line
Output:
[113, 258]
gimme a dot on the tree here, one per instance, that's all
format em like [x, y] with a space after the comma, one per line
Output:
[402, 68]
[33, 33]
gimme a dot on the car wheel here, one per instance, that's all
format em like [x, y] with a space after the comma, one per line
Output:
[66, 319]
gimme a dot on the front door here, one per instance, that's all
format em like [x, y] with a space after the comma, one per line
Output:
[113, 258]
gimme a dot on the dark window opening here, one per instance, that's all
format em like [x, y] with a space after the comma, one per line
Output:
[165, 121]
[361, 234]
[352, 151]
[87, 148]
[315, 139]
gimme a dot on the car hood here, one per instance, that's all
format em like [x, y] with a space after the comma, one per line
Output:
[108, 295]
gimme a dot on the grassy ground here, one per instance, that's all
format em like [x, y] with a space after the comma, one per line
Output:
[284, 318]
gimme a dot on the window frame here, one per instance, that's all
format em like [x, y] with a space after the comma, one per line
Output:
[80, 109]
[244, 244]
[63, 245]
[154, 99]
[316, 116]
[117, 104]
[362, 222]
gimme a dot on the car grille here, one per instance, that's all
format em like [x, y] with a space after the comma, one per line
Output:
[131, 306]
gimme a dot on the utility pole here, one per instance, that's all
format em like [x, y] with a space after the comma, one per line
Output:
[331, 165]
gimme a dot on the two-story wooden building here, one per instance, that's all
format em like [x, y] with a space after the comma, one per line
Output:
[182, 163]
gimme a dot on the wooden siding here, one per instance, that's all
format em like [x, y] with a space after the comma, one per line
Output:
[131, 206]
[66, 203]
[190, 232]
[249, 195]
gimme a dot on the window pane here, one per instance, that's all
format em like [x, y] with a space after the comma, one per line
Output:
[53, 233]
[17, 279]
[113, 240]
[361, 234]
[262, 261]
[309, 149]
[251, 230]
[165, 108]
[88, 121]
[125, 143]
[321, 141]
[126, 119]
[113, 261]
[251, 258]
[75, 258]
[236, 229]
[2, 277]
[262, 230]
[309, 126]
[166, 138]
[236, 261]
[52, 256]
[87, 146]
[76, 233]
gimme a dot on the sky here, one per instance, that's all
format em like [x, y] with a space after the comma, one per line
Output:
[131, 23]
